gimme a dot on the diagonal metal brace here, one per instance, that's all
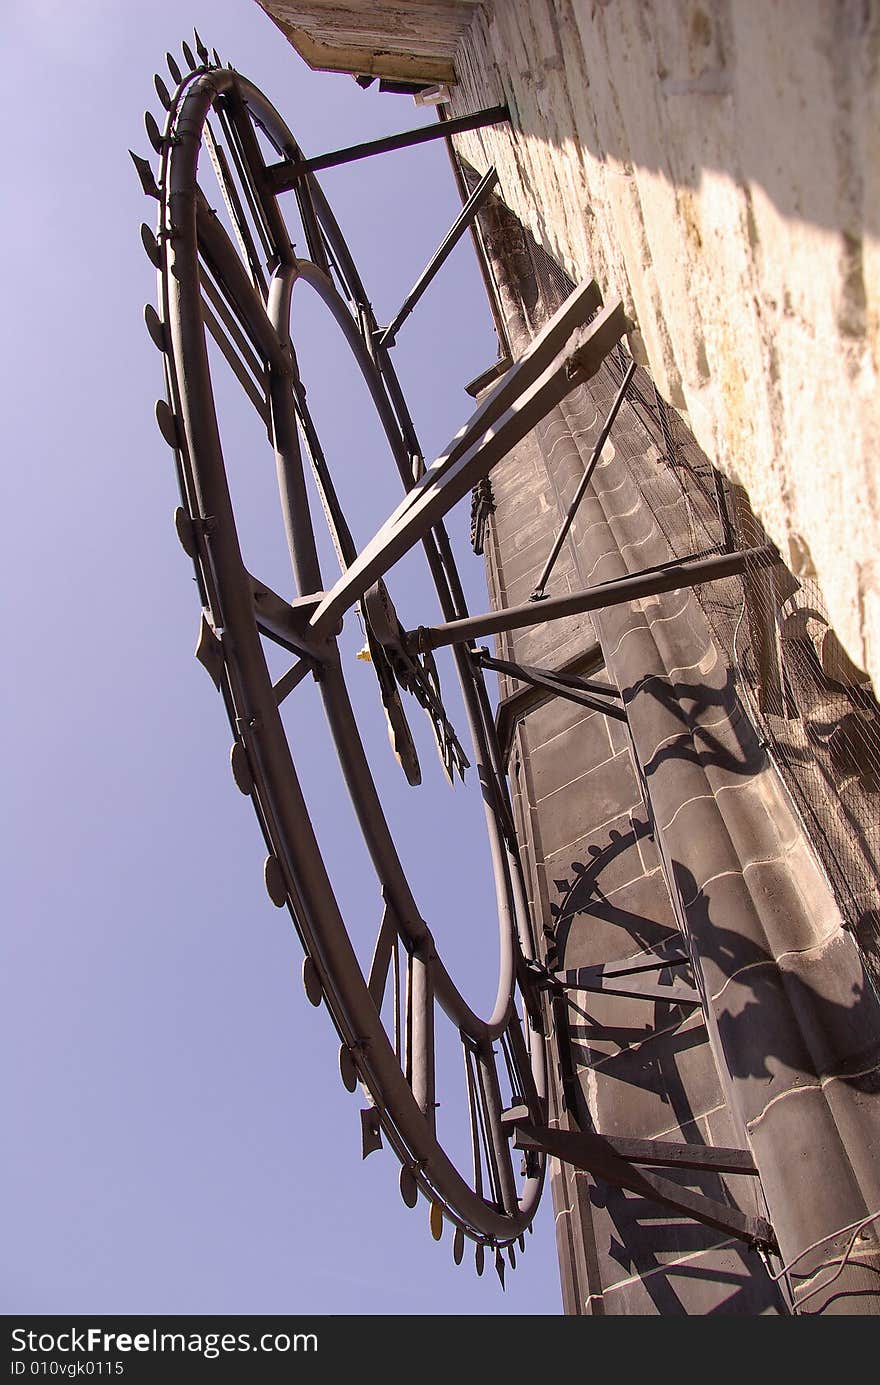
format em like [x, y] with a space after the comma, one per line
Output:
[670, 953]
[603, 1158]
[666, 1154]
[526, 698]
[687, 572]
[631, 978]
[464, 219]
[573, 689]
[538, 593]
[283, 176]
[545, 374]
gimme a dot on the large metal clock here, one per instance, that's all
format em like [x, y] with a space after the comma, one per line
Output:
[232, 278]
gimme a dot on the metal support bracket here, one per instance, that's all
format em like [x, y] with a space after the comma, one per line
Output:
[387, 335]
[543, 376]
[565, 685]
[283, 176]
[528, 697]
[685, 572]
[538, 593]
[631, 977]
[286, 622]
[619, 1161]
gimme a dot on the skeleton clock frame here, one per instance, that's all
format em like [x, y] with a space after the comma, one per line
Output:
[238, 290]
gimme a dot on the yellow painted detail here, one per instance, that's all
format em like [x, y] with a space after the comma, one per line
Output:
[436, 1220]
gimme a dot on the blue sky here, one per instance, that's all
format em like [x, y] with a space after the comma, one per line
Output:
[177, 1137]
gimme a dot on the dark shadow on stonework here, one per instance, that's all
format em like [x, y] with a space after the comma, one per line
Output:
[646, 1236]
[867, 933]
[644, 932]
[697, 743]
[659, 1074]
[821, 1037]
[642, 1235]
[652, 1046]
[645, 1231]
[531, 285]
[654, 1068]
[585, 1026]
[833, 1297]
[584, 895]
[787, 690]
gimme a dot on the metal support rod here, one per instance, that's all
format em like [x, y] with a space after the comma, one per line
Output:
[230, 322]
[669, 954]
[651, 582]
[538, 593]
[440, 256]
[228, 271]
[597, 1155]
[665, 1154]
[420, 1031]
[236, 365]
[253, 169]
[477, 1143]
[235, 211]
[292, 678]
[479, 247]
[571, 689]
[567, 350]
[519, 704]
[498, 1146]
[281, 177]
[727, 529]
[656, 1153]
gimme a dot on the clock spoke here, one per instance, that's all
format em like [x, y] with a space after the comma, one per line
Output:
[226, 267]
[541, 380]
[292, 678]
[382, 954]
[238, 338]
